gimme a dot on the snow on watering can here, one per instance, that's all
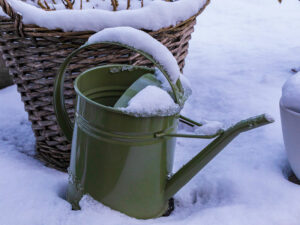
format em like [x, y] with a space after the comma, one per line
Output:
[125, 161]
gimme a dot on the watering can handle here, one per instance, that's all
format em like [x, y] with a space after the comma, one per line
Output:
[62, 116]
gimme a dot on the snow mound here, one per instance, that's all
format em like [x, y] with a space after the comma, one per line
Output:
[141, 41]
[209, 128]
[154, 16]
[269, 117]
[151, 101]
[291, 93]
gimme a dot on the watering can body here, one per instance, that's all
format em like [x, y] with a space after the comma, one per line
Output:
[115, 157]
[122, 160]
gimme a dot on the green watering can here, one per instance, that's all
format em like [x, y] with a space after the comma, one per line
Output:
[124, 161]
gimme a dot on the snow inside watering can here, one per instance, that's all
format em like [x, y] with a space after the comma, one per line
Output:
[121, 156]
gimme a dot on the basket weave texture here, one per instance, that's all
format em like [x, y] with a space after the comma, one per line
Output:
[33, 55]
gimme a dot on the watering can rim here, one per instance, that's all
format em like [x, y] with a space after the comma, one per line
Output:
[112, 109]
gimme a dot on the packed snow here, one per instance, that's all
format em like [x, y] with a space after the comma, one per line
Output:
[152, 101]
[153, 16]
[291, 93]
[240, 56]
[140, 41]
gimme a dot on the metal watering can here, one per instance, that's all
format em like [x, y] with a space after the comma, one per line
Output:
[123, 161]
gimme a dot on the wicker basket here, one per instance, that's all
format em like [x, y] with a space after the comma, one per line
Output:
[33, 55]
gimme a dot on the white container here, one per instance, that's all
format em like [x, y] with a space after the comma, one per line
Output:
[290, 121]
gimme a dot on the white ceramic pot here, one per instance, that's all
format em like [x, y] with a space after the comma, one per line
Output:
[290, 121]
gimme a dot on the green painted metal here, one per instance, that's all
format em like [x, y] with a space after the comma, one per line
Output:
[115, 157]
[121, 160]
[189, 121]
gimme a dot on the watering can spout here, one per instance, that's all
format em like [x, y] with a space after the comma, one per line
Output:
[189, 170]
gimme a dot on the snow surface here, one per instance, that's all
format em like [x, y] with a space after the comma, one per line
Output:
[2, 13]
[153, 16]
[141, 41]
[152, 101]
[240, 56]
[291, 93]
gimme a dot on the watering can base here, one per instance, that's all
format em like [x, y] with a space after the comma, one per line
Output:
[75, 198]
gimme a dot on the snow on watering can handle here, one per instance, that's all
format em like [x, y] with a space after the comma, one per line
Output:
[64, 121]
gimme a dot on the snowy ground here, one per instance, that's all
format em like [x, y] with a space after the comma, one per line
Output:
[240, 55]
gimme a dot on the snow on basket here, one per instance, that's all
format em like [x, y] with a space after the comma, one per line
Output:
[35, 42]
[153, 16]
